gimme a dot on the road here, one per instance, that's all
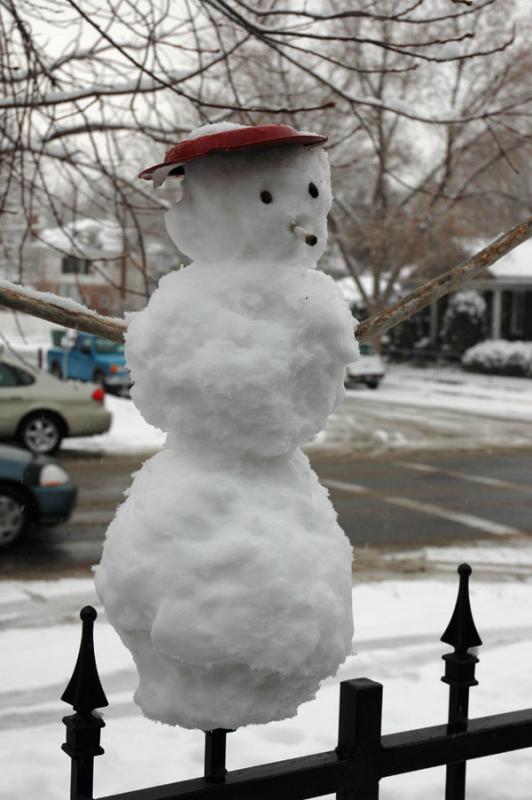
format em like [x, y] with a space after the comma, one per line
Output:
[386, 502]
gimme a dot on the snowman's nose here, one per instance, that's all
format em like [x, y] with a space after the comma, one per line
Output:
[303, 234]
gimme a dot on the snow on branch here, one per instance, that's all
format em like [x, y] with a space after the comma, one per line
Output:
[61, 311]
[66, 312]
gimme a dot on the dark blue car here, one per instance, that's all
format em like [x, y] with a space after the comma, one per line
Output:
[33, 490]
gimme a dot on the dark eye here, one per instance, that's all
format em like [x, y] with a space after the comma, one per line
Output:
[313, 190]
[266, 197]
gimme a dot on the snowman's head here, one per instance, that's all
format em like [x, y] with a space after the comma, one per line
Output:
[268, 205]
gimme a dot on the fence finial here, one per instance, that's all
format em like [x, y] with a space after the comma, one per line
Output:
[461, 632]
[84, 691]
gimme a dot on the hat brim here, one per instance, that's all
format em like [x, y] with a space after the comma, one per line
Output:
[192, 149]
[160, 173]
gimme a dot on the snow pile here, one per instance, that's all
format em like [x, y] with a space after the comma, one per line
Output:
[225, 571]
[501, 357]
[129, 432]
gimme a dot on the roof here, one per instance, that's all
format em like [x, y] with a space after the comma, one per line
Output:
[513, 268]
[516, 265]
[91, 238]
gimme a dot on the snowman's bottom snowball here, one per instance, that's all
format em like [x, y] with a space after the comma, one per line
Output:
[220, 696]
[231, 584]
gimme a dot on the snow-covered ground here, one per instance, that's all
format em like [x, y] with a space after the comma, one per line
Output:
[398, 624]
[431, 408]
[457, 390]
[129, 432]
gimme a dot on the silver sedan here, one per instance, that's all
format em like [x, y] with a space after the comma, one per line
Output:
[39, 410]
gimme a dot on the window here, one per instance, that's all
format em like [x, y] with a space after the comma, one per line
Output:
[517, 316]
[23, 377]
[71, 265]
[14, 376]
[7, 376]
[107, 346]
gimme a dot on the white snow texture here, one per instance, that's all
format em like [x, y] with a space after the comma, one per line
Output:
[225, 571]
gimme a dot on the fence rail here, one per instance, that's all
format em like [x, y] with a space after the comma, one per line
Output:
[353, 770]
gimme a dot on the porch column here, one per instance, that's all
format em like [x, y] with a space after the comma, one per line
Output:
[496, 314]
[433, 322]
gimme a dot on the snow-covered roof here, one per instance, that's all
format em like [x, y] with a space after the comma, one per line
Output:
[91, 238]
[515, 267]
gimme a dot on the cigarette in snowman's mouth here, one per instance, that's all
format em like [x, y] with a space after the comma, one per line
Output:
[304, 235]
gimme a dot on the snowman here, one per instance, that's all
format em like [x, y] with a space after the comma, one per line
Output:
[225, 572]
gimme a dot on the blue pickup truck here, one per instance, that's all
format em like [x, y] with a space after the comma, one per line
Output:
[84, 357]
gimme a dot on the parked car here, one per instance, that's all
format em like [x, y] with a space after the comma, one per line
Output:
[39, 411]
[85, 357]
[33, 490]
[368, 369]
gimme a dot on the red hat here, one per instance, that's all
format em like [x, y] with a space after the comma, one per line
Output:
[238, 138]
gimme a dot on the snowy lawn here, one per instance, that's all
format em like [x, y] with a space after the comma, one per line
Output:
[431, 408]
[398, 624]
[454, 389]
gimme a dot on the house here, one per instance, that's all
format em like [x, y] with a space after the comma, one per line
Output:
[91, 261]
[507, 289]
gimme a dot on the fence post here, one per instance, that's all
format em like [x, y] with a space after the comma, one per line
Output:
[215, 742]
[462, 634]
[359, 739]
[84, 693]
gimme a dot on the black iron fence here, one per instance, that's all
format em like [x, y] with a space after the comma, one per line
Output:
[353, 770]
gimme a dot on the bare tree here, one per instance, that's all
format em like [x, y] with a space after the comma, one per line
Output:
[94, 91]
[408, 193]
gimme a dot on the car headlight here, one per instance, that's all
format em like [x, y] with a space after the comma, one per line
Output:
[53, 475]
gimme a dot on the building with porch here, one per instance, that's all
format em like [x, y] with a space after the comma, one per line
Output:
[507, 289]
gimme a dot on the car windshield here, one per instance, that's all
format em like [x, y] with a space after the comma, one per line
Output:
[107, 346]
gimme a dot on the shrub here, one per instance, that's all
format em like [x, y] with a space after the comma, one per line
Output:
[499, 357]
[464, 322]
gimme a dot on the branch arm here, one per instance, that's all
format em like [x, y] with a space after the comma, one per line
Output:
[65, 313]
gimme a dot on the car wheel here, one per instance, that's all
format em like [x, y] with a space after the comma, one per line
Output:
[98, 376]
[56, 370]
[372, 384]
[41, 432]
[14, 515]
